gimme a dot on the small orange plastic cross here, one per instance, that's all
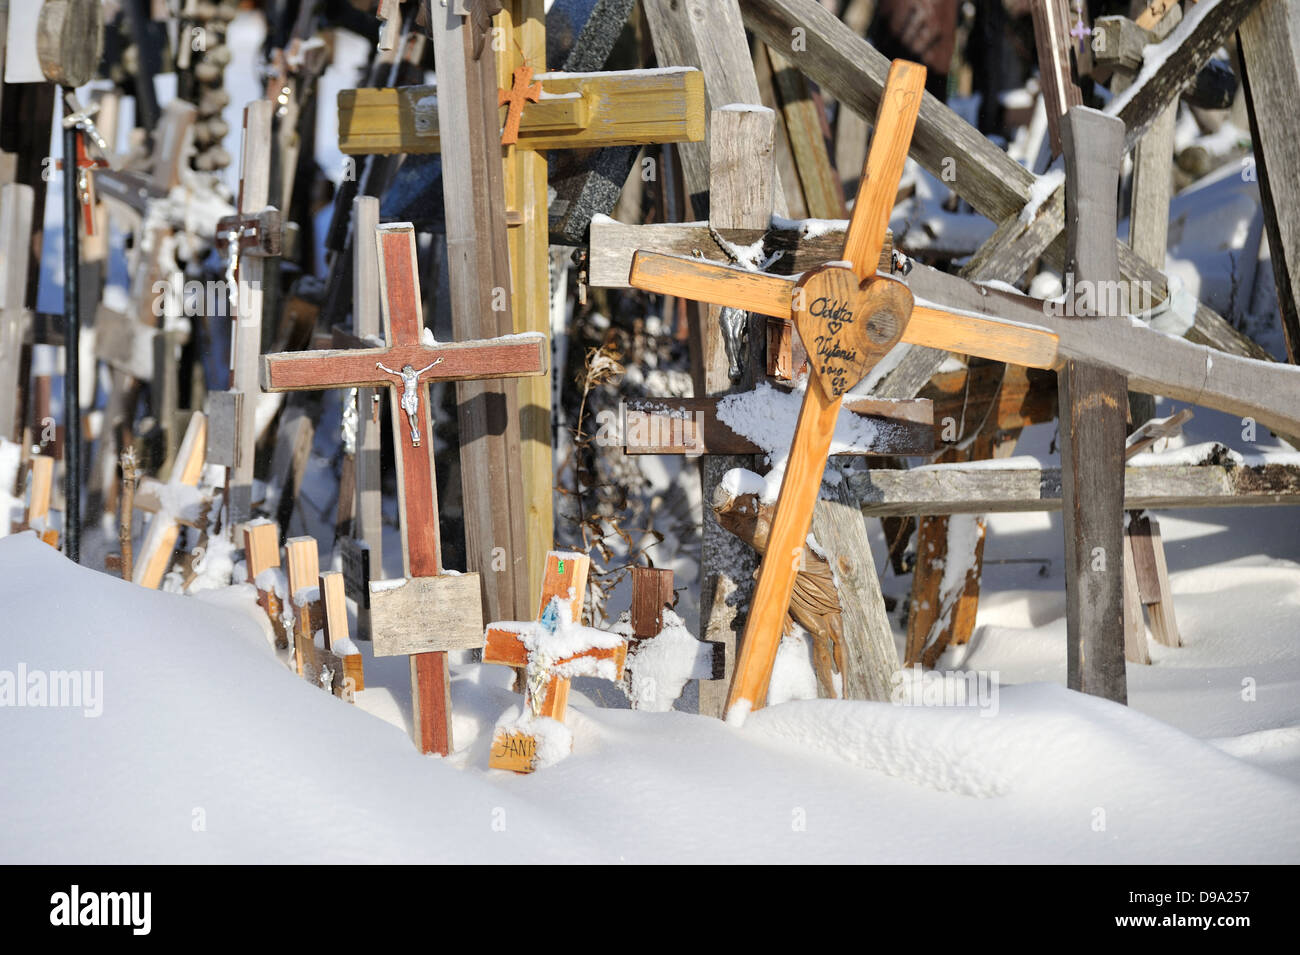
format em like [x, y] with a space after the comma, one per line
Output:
[520, 90]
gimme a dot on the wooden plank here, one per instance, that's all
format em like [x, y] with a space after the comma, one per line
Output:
[480, 286]
[847, 67]
[1093, 410]
[368, 526]
[691, 426]
[795, 250]
[822, 189]
[426, 614]
[1152, 574]
[301, 558]
[350, 367]
[1156, 363]
[351, 672]
[1205, 28]
[710, 38]
[930, 326]
[1135, 630]
[1052, 38]
[1269, 44]
[524, 185]
[743, 190]
[954, 489]
[577, 111]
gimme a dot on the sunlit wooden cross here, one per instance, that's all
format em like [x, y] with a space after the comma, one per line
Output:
[848, 317]
[417, 365]
[546, 677]
[522, 90]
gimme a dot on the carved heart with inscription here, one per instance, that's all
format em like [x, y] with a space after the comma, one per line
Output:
[846, 326]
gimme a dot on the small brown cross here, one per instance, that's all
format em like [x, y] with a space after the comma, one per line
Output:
[520, 90]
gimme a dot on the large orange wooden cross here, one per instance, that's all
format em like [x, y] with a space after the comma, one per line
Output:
[848, 317]
[408, 366]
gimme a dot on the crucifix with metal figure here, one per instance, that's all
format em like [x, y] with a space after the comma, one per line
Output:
[410, 393]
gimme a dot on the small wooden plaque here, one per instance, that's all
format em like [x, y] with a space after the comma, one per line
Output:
[426, 614]
[516, 752]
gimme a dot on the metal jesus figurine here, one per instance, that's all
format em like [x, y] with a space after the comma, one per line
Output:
[410, 393]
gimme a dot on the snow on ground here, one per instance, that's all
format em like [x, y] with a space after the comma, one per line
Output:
[208, 749]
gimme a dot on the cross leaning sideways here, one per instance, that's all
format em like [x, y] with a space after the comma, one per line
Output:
[408, 366]
[848, 317]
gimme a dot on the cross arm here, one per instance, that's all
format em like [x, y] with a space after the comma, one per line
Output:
[502, 643]
[576, 111]
[1154, 362]
[985, 336]
[513, 356]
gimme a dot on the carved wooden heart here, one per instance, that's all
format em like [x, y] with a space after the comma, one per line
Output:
[847, 327]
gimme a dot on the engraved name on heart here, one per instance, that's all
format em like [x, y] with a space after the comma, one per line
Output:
[846, 326]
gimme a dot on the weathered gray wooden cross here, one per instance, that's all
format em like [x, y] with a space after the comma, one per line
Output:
[429, 612]
[250, 237]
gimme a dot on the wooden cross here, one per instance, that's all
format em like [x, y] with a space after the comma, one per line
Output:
[742, 189]
[523, 645]
[652, 594]
[415, 365]
[521, 90]
[160, 538]
[245, 276]
[847, 317]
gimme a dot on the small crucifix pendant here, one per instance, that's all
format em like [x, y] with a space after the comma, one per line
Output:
[410, 394]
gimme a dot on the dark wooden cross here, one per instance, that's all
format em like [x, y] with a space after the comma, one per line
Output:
[415, 366]
[521, 90]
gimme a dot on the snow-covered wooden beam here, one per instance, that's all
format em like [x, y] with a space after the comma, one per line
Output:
[1007, 486]
[797, 245]
[1155, 363]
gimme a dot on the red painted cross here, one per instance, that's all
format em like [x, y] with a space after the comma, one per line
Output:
[417, 365]
[519, 91]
